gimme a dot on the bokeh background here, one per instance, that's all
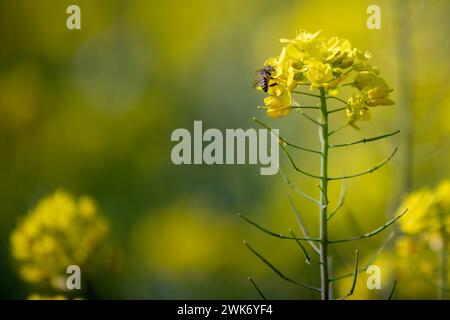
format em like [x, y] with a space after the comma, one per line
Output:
[91, 112]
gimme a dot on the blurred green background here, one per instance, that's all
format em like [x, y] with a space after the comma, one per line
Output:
[92, 111]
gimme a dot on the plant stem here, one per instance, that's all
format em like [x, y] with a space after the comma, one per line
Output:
[324, 275]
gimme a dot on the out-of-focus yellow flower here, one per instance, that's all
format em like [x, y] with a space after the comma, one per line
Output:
[278, 107]
[426, 268]
[428, 211]
[434, 239]
[60, 231]
[406, 246]
[32, 274]
[303, 38]
[418, 203]
[425, 229]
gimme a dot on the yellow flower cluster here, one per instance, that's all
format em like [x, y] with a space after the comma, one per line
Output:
[428, 217]
[60, 231]
[321, 62]
[373, 91]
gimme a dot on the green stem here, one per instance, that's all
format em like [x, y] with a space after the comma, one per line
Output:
[324, 275]
[306, 94]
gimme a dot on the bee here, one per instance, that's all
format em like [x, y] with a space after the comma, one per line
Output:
[264, 76]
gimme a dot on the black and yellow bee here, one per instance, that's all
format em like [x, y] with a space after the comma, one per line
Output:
[264, 76]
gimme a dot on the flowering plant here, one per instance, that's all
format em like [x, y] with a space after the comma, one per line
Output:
[322, 64]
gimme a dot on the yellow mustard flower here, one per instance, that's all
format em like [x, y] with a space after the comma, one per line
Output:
[282, 78]
[323, 62]
[377, 93]
[361, 62]
[373, 92]
[357, 108]
[60, 231]
[339, 53]
[318, 73]
[278, 107]
[428, 212]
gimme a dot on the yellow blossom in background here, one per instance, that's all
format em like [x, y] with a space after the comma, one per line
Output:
[364, 79]
[425, 231]
[60, 231]
[377, 95]
[427, 211]
[373, 92]
[418, 204]
[305, 46]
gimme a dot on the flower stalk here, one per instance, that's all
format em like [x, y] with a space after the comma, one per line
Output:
[325, 281]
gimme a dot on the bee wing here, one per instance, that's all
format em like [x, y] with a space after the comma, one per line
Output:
[255, 83]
